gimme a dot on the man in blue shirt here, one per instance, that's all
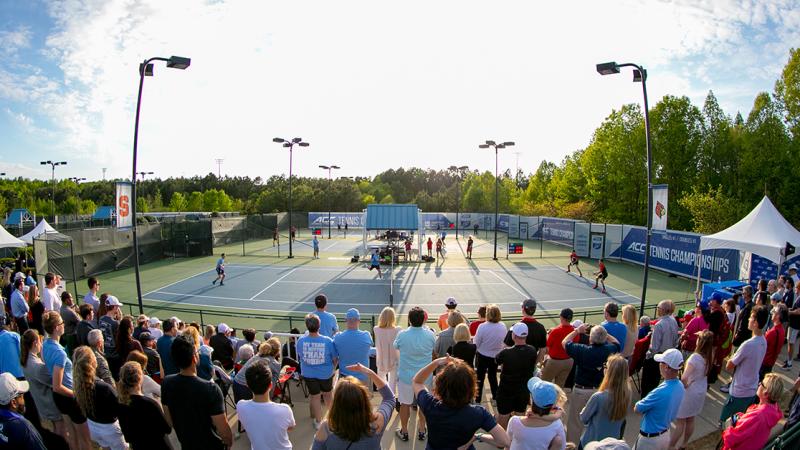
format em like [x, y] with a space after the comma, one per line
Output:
[327, 321]
[15, 430]
[318, 358]
[660, 407]
[415, 344]
[353, 347]
[164, 347]
[614, 328]
[9, 353]
[220, 271]
[19, 307]
[375, 263]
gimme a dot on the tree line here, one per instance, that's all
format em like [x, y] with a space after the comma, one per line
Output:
[717, 166]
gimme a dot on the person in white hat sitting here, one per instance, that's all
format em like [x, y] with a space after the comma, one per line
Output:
[15, 430]
[660, 407]
[223, 348]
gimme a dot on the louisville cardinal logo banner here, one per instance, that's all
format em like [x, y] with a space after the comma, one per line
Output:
[660, 209]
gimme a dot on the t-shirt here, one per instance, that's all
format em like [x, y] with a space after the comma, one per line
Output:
[109, 328]
[353, 346]
[537, 335]
[220, 263]
[519, 363]
[775, 338]
[416, 351]
[51, 300]
[91, 299]
[17, 432]
[192, 402]
[164, 348]
[9, 353]
[661, 405]
[266, 424]
[315, 243]
[316, 355]
[535, 438]
[143, 424]
[589, 361]
[748, 359]
[105, 403]
[554, 348]
[618, 330]
[375, 260]
[451, 428]
[54, 355]
[473, 326]
[327, 323]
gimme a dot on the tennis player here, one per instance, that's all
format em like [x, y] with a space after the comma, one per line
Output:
[375, 263]
[600, 276]
[220, 271]
[574, 261]
[315, 244]
[470, 241]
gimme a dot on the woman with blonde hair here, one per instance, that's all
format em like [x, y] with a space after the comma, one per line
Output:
[205, 367]
[270, 352]
[489, 341]
[607, 408]
[149, 387]
[752, 428]
[351, 423]
[463, 349]
[630, 317]
[386, 356]
[140, 417]
[97, 400]
[695, 380]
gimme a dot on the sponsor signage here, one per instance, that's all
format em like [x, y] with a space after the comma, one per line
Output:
[560, 231]
[320, 219]
[123, 205]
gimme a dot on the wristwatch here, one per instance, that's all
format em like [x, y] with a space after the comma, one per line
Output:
[478, 437]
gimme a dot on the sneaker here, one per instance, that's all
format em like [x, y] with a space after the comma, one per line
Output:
[315, 424]
[725, 388]
[603, 291]
[421, 435]
[787, 365]
[402, 436]
[214, 282]
[594, 287]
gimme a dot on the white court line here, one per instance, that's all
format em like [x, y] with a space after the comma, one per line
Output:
[172, 284]
[273, 283]
[368, 282]
[331, 246]
[508, 284]
[397, 267]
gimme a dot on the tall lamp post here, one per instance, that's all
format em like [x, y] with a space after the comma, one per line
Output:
[330, 182]
[145, 70]
[290, 145]
[640, 75]
[143, 174]
[496, 146]
[460, 170]
[53, 165]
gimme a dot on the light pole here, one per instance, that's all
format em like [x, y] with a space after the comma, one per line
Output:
[145, 69]
[640, 75]
[219, 167]
[144, 174]
[53, 165]
[330, 182]
[290, 145]
[496, 146]
[460, 171]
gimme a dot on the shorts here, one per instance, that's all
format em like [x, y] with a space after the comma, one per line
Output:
[220, 271]
[108, 435]
[405, 393]
[374, 266]
[317, 386]
[793, 335]
[574, 262]
[603, 275]
[511, 402]
[68, 406]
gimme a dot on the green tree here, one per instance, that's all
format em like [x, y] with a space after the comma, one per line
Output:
[195, 202]
[177, 202]
[711, 211]
[787, 92]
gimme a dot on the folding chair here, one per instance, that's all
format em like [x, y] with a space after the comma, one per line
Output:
[637, 360]
[283, 393]
[224, 381]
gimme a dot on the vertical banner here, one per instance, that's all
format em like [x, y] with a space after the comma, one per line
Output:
[744, 266]
[596, 251]
[123, 204]
[581, 238]
[659, 212]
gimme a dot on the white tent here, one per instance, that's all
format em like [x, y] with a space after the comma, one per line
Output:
[40, 229]
[764, 232]
[7, 240]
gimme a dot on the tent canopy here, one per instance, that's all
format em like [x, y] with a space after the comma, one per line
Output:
[42, 228]
[7, 240]
[392, 217]
[764, 232]
[19, 216]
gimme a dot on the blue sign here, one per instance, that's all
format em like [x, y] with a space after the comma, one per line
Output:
[763, 269]
[320, 219]
[436, 221]
[676, 252]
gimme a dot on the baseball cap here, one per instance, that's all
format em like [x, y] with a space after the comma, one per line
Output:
[113, 301]
[671, 357]
[352, 314]
[11, 388]
[576, 323]
[607, 444]
[703, 304]
[267, 335]
[145, 336]
[529, 303]
[154, 321]
[519, 329]
[223, 328]
[716, 296]
[543, 393]
[776, 296]
[451, 302]
[792, 267]
[566, 313]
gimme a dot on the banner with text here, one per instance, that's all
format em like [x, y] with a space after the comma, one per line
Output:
[320, 219]
[560, 231]
[659, 212]
[581, 246]
[124, 213]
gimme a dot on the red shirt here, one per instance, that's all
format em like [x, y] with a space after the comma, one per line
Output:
[554, 348]
[775, 337]
[473, 326]
[430, 244]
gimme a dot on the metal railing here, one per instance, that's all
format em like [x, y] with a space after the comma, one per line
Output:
[789, 439]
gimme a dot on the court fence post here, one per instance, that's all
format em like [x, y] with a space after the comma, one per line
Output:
[290, 323]
[244, 234]
[202, 322]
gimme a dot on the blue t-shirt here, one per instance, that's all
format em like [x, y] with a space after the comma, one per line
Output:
[9, 353]
[353, 347]
[316, 355]
[451, 428]
[315, 243]
[618, 330]
[416, 351]
[54, 355]
[327, 323]
[375, 260]
[164, 348]
[220, 263]
[661, 405]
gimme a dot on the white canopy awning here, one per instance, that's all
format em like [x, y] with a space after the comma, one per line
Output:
[7, 240]
[40, 229]
[764, 232]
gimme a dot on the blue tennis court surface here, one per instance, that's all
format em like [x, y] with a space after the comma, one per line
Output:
[282, 288]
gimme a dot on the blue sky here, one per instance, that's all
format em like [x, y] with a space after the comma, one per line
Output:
[370, 85]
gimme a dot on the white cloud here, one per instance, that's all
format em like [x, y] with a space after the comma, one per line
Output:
[11, 41]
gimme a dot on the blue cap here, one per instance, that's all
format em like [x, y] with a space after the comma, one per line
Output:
[352, 314]
[543, 393]
[715, 296]
[703, 304]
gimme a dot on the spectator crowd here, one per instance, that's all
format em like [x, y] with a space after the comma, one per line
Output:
[76, 377]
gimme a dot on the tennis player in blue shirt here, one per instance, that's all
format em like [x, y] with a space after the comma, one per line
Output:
[375, 263]
[220, 271]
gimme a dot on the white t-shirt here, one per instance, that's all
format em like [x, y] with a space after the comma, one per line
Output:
[748, 359]
[266, 424]
[534, 438]
[91, 299]
[51, 300]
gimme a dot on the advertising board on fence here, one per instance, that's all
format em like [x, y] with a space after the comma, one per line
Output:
[320, 219]
[513, 227]
[581, 239]
[560, 231]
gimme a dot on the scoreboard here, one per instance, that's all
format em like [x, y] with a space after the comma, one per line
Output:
[515, 248]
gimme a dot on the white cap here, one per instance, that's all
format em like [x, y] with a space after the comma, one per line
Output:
[154, 321]
[671, 357]
[576, 323]
[11, 388]
[223, 328]
[175, 319]
[520, 329]
[792, 267]
[113, 301]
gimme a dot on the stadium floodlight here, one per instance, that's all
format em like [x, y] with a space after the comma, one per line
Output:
[143, 174]
[53, 165]
[496, 146]
[640, 76]
[330, 196]
[290, 145]
[145, 70]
